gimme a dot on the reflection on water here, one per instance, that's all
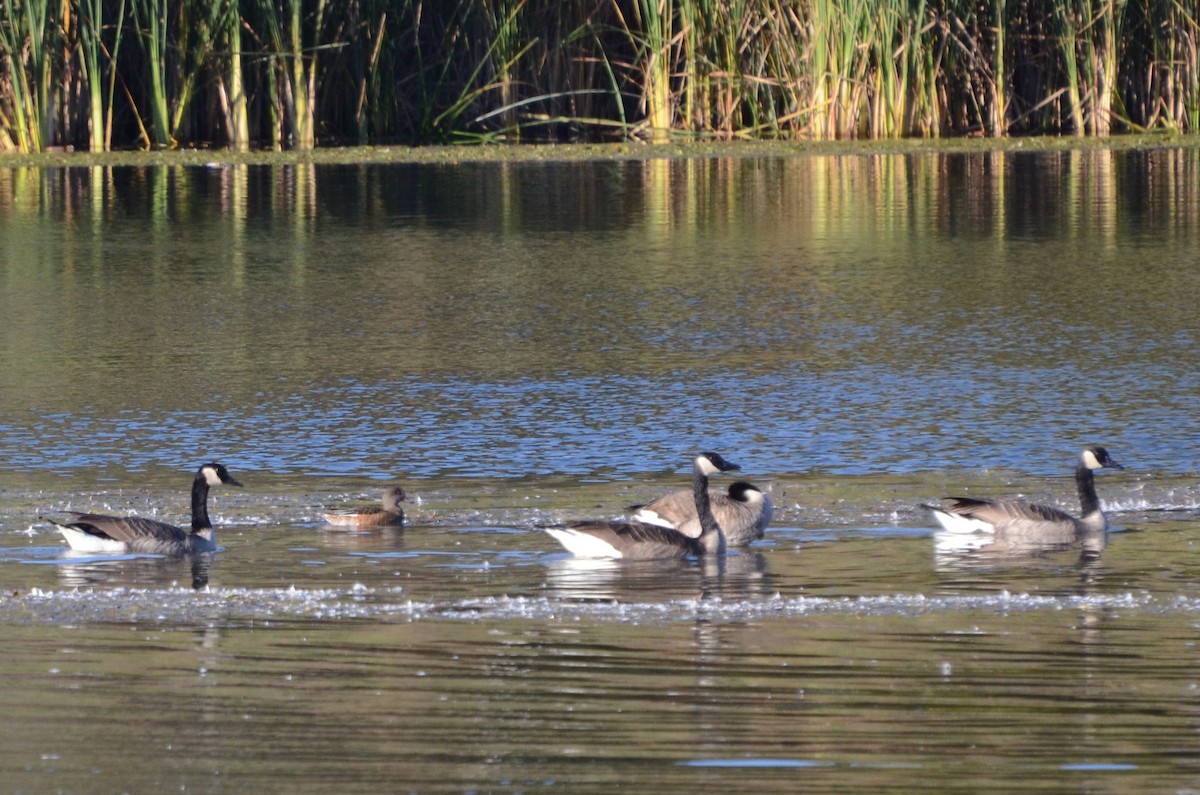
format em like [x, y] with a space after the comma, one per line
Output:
[854, 314]
[75, 569]
[736, 576]
[974, 551]
[850, 657]
[522, 345]
[84, 569]
[881, 701]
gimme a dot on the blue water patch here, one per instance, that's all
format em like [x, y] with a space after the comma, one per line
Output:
[67, 558]
[858, 420]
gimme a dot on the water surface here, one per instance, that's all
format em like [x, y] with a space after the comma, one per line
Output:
[528, 343]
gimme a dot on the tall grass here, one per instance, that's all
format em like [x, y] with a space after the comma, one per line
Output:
[302, 109]
[302, 73]
[232, 85]
[1160, 65]
[1088, 36]
[27, 41]
[649, 28]
[97, 52]
[150, 21]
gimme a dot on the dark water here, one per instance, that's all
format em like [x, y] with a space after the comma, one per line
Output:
[525, 344]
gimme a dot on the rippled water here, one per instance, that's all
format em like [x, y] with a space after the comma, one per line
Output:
[525, 344]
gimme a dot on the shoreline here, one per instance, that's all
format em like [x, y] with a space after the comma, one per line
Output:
[624, 150]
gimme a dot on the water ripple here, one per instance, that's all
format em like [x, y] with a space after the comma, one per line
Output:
[174, 605]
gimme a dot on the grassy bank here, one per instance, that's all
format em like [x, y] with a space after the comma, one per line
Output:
[295, 74]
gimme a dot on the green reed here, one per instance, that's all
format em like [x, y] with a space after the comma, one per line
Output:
[367, 56]
[91, 18]
[974, 38]
[1162, 65]
[150, 19]
[27, 39]
[503, 27]
[290, 43]
[489, 84]
[267, 29]
[96, 53]
[649, 26]
[1087, 32]
[231, 84]
[304, 72]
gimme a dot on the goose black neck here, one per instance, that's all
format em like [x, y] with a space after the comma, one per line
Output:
[200, 504]
[708, 523]
[1086, 483]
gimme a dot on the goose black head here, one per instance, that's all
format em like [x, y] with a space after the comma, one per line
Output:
[744, 491]
[708, 463]
[1096, 457]
[215, 474]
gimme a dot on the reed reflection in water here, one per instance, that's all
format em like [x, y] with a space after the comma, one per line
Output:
[849, 313]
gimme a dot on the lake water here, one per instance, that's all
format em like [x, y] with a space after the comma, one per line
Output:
[528, 343]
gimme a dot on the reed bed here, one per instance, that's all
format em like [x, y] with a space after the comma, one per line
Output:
[102, 74]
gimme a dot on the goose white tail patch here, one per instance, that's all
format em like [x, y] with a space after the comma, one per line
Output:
[955, 523]
[86, 542]
[582, 545]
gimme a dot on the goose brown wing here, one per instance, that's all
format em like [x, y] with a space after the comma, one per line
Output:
[1001, 512]
[640, 541]
[741, 522]
[127, 529]
[674, 508]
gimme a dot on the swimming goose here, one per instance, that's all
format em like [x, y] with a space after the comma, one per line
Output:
[391, 514]
[743, 512]
[92, 532]
[1017, 521]
[641, 541]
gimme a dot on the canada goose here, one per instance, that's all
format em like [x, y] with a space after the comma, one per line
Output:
[1020, 522]
[91, 532]
[743, 512]
[390, 514]
[641, 541]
